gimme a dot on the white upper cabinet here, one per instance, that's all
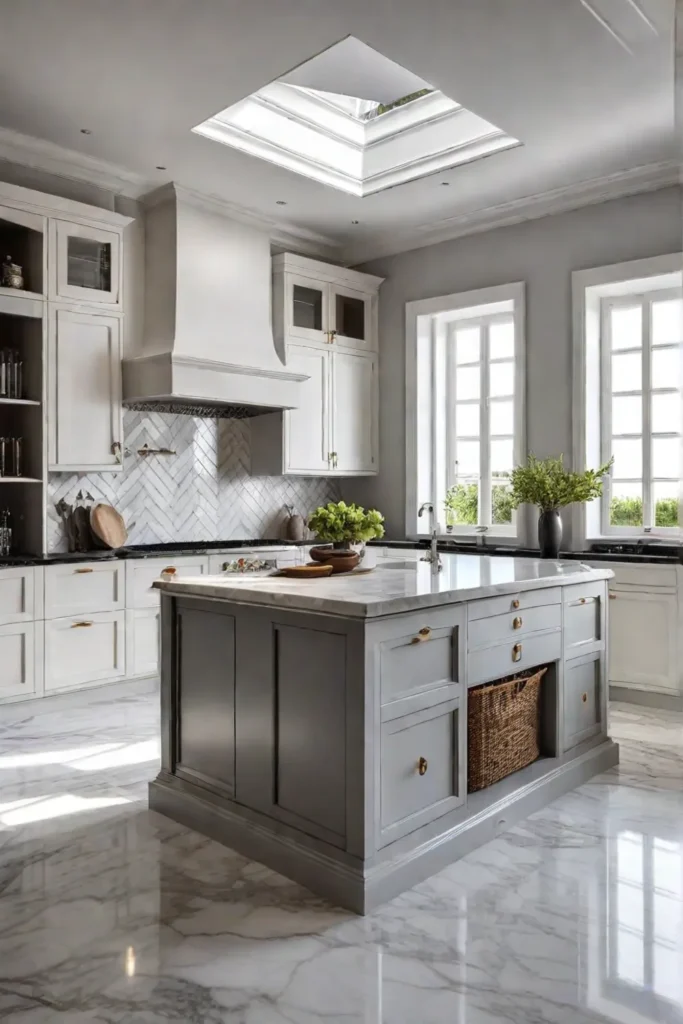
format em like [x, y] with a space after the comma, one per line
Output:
[325, 321]
[85, 265]
[323, 304]
[84, 391]
[22, 238]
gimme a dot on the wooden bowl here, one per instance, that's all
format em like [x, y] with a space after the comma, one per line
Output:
[342, 561]
[306, 572]
[320, 552]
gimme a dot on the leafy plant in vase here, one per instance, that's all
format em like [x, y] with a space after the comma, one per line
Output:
[345, 529]
[548, 485]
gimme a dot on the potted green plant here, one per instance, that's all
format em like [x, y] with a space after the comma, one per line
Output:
[346, 528]
[547, 484]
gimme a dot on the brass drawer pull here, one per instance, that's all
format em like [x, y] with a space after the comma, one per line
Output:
[515, 603]
[517, 622]
[81, 571]
[423, 634]
[517, 652]
[81, 625]
[613, 597]
[422, 766]
[584, 697]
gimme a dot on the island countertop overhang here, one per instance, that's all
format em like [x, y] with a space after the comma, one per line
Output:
[391, 589]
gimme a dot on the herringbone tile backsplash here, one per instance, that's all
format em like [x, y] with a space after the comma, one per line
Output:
[204, 492]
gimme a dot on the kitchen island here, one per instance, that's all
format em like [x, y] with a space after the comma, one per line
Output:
[320, 726]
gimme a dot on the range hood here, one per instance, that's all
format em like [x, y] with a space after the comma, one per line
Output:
[208, 343]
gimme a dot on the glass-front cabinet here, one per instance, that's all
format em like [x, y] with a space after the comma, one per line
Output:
[87, 265]
[322, 304]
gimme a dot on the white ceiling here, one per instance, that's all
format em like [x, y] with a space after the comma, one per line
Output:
[141, 73]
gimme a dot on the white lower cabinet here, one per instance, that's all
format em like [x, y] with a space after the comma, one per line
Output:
[21, 658]
[143, 641]
[87, 649]
[141, 573]
[643, 645]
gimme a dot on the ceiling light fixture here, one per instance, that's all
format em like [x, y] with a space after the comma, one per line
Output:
[280, 202]
[355, 222]
[160, 167]
[85, 131]
[445, 182]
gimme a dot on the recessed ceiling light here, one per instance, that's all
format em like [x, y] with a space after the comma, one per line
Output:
[160, 167]
[445, 182]
[280, 202]
[355, 222]
[85, 131]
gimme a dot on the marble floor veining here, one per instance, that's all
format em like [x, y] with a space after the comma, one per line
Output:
[110, 914]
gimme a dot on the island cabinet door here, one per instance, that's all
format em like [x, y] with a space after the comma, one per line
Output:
[292, 722]
[205, 695]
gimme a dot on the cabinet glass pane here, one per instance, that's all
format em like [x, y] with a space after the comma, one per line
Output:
[626, 506]
[351, 317]
[88, 263]
[307, 308]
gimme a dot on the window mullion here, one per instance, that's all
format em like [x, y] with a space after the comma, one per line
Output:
[606, 408]
[451, 428]
[485, 514]
[648, 511]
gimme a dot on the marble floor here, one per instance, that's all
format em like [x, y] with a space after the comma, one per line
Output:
[110, 914]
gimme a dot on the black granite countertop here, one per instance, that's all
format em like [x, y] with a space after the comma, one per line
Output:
[648, 553]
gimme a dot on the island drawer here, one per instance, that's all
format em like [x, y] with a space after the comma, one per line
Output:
[583, 699]
[583, 618]
[517, 624]
[491, 606]
[422, 760]
[141, 573]
[419, 652]
[505, 659]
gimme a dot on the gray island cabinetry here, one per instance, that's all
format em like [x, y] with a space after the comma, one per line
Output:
[320, 726]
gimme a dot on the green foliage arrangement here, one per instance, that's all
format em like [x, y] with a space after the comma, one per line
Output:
[547, 484]
[629, 512]
[339, 522]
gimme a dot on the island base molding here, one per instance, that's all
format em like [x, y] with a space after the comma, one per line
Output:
[342, 879]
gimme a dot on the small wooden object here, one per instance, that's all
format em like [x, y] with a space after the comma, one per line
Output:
[107, 524]
[306, 572]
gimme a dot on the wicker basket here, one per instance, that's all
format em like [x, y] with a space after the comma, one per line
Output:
[502, 728]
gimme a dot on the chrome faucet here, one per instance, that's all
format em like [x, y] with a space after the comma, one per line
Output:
[433, 554]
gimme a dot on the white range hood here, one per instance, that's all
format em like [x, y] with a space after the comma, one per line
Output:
[208, 341]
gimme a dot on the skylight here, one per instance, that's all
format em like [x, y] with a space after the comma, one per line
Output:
[355, 120]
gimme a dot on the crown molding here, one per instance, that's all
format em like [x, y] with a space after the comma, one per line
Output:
[41, 155]
[646, 178]
[281, 233]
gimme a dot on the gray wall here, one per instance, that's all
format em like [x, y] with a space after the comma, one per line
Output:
[543, 253]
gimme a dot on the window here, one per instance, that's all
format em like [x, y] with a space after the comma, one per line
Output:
[641, 346]
[465, 378]
[628, 352]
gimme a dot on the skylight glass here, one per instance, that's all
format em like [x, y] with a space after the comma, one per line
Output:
[355, 120]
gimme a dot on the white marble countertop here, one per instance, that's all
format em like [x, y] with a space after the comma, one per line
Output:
[397, 586]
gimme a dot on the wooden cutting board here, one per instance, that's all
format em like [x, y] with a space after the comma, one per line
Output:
[107, 524]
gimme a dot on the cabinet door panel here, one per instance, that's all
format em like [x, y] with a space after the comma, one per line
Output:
[86, 650]
[642, 640]
[583, 699]
[351, 318]
[306, 428]
[142, 641]
[353, 412]
[17, 657]
[17, 595]
[206, 697]
[84, 414]
[306, 312]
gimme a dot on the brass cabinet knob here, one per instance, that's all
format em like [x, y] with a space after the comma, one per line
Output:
[613, 597]
[515, 603]
[517, 622]
[582, 600]
[422, 766]
[584, 697]
[517, 652]
[423, 634]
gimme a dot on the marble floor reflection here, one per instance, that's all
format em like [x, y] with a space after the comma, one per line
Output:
[112, 915]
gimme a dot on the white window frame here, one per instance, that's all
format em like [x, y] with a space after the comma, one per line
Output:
[595, 292]
[430, 434]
